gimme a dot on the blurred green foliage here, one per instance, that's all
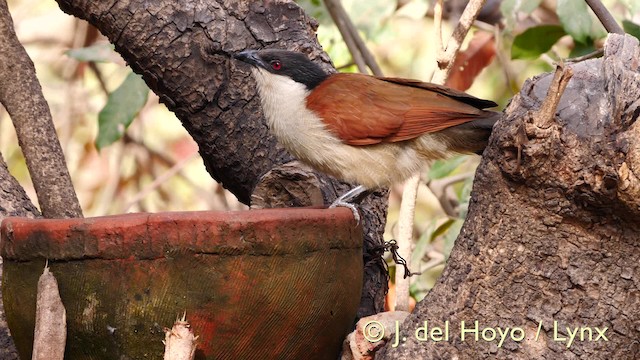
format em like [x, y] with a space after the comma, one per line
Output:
[535, 41]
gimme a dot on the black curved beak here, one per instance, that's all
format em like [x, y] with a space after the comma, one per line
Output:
[250, 57]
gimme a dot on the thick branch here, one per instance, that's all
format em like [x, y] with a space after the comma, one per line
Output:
[605, 17]
[21, 95]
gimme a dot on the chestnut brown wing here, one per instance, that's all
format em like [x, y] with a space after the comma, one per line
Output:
[365, 110]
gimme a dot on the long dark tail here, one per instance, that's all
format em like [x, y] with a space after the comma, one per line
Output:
[473, 136]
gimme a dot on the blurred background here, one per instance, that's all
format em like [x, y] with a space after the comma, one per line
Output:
[154, 165]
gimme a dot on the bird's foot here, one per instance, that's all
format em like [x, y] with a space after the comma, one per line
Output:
[340, 203]
[357, 194]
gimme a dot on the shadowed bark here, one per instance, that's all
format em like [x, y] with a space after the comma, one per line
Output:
[554, 236]
[13, 202]
[182, 50]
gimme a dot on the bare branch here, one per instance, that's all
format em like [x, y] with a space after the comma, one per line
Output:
[407, 207]
[405, 238]
[437, 24]
[446, 60]
[340, 21]
[605, 17]
[545, 117]
[21, 95]
[361, 54]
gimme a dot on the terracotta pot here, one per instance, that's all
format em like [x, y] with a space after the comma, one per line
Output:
[260, 284]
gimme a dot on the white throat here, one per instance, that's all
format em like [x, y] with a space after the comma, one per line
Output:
[284, 106]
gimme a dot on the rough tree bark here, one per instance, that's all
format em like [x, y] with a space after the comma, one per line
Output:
[21, 95]
[553, 231]
[182, 50]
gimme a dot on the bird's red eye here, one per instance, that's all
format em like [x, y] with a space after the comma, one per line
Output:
[276, 65]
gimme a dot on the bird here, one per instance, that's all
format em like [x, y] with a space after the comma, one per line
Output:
[368, 130]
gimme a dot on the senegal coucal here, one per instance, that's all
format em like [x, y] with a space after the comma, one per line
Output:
[362, 129]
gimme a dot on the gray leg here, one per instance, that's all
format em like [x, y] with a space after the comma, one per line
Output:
[357, 194]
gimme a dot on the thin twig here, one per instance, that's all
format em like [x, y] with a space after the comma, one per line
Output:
[446, 61]
[441, 187]
[437, 24]
[408, 204]
[358, 59]
[158, 181]
[405, 238]
[342, 67]
[591, 55]
[409, 194]
[359, 50]
[362, 47]
[605, 17]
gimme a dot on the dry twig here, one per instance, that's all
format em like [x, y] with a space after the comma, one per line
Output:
[50, 333]
[179, 341]
[358, 49]
[545, 117]
[446, 58]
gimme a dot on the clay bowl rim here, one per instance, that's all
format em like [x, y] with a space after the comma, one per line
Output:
[25, 239]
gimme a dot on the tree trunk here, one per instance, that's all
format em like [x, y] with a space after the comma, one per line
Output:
[183, 51]
[552, 240]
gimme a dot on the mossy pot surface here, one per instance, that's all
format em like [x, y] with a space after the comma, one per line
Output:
[259, 284]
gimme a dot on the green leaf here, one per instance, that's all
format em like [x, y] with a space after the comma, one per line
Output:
[582, 49]
[122, 107]
[631, 28]
[93, 53]
[535, 41]
[575, 19]
[442, 168]
[442, 228]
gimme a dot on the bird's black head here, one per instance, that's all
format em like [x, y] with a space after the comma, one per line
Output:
[287, 63]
